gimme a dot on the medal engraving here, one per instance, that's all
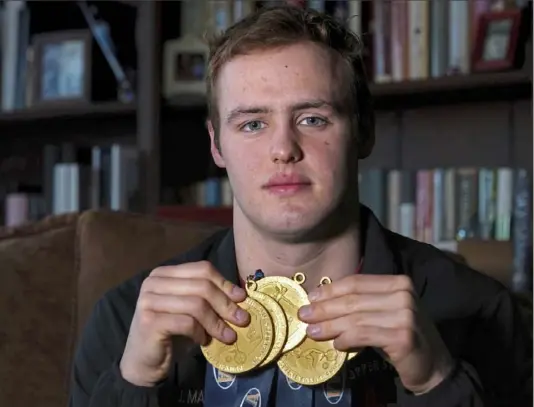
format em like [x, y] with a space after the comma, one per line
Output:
[252, 346]
[312, 362]
[278, 317]
[291, 296]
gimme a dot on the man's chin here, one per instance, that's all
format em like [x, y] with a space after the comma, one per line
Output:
[295, 224]
[290, 229]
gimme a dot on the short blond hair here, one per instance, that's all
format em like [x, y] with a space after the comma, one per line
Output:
[286, 25]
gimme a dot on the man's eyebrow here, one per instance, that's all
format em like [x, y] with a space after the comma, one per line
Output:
[307, 104]
[314, 104]
[241, 110]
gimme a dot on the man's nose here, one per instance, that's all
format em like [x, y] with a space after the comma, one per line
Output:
[285, 147]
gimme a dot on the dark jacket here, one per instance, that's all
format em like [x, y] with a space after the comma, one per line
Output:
[477, 317]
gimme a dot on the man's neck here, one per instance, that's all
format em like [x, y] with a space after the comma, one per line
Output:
[335, 257]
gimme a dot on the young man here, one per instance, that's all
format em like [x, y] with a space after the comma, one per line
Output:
[289, 117]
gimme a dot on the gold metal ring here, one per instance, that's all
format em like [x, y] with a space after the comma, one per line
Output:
[251, 285]
[299, 278]
[325, 280]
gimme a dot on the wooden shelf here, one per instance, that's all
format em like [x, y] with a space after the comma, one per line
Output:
[108, 116]
[487, 87]
[491, 257]
[214, 215]
[96, 118]
[449, 90]
[96, 110]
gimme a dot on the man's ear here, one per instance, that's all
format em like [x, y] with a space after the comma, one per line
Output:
[215, 151]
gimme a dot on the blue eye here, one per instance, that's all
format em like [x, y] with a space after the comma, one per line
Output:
[253, 126]
[313, 121]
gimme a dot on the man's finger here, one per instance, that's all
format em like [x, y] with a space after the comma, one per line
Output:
[351, 324]
[205, 291]
[196, 311]
[201, 270]
[332, 308]
[367, 336]
[362, 284]
[169, 325]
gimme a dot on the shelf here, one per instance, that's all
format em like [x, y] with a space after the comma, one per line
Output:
[96, 118]
[96, 110]
[492, 257]
[221, 216]
[115, 117]
[486, 87]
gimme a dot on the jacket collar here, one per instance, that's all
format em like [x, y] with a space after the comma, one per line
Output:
[379, 257]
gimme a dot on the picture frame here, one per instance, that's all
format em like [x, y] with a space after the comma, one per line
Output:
[184, 67]
[62, 67]
[496, 42]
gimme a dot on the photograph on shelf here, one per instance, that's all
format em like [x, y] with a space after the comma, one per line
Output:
[497, 41]
[184, 66]
[62, 67]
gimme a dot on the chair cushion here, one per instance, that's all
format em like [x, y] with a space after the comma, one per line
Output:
[114, 246]
[36, 311]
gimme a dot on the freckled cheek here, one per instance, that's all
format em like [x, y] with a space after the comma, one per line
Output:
[321, 157]
[327, 166]
[244, 166]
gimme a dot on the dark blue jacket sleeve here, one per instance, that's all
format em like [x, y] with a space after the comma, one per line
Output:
[96, 380]
[496, 370]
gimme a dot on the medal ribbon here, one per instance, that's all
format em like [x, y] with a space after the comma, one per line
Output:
[290, 393]
[254, 390]
[251, 389]
[334, 392]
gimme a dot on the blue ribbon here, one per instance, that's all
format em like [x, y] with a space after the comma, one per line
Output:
[290, 393]
[251, 389]
[257, 388]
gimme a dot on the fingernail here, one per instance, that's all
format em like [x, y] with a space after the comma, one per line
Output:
[237, 291]
[241, 315]
[313, 296]
[229, 334]
[305, 311]
[314, 330]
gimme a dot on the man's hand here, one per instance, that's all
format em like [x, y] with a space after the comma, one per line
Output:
[380, 311]
[191, 300]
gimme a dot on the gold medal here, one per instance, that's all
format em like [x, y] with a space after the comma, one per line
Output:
[252, 346]
[312, 362]
[278, 317]
[291, 296]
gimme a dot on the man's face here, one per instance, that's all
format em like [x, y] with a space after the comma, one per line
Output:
[286, 138]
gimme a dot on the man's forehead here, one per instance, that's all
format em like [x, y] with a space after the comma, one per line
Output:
[277, 87]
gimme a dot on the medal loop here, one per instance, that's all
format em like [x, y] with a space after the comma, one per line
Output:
[299, 278]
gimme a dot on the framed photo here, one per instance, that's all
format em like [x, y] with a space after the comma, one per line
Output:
[496, 41]
[184, 67]
[62, 68]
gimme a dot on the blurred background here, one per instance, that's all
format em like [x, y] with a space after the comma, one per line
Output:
[103, 107]
[105, 168]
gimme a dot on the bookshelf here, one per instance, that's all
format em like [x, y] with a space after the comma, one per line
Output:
[448, 90]
[49, 114]
[475, 119]
[105, 119]
[452, 90]
[216, 215]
